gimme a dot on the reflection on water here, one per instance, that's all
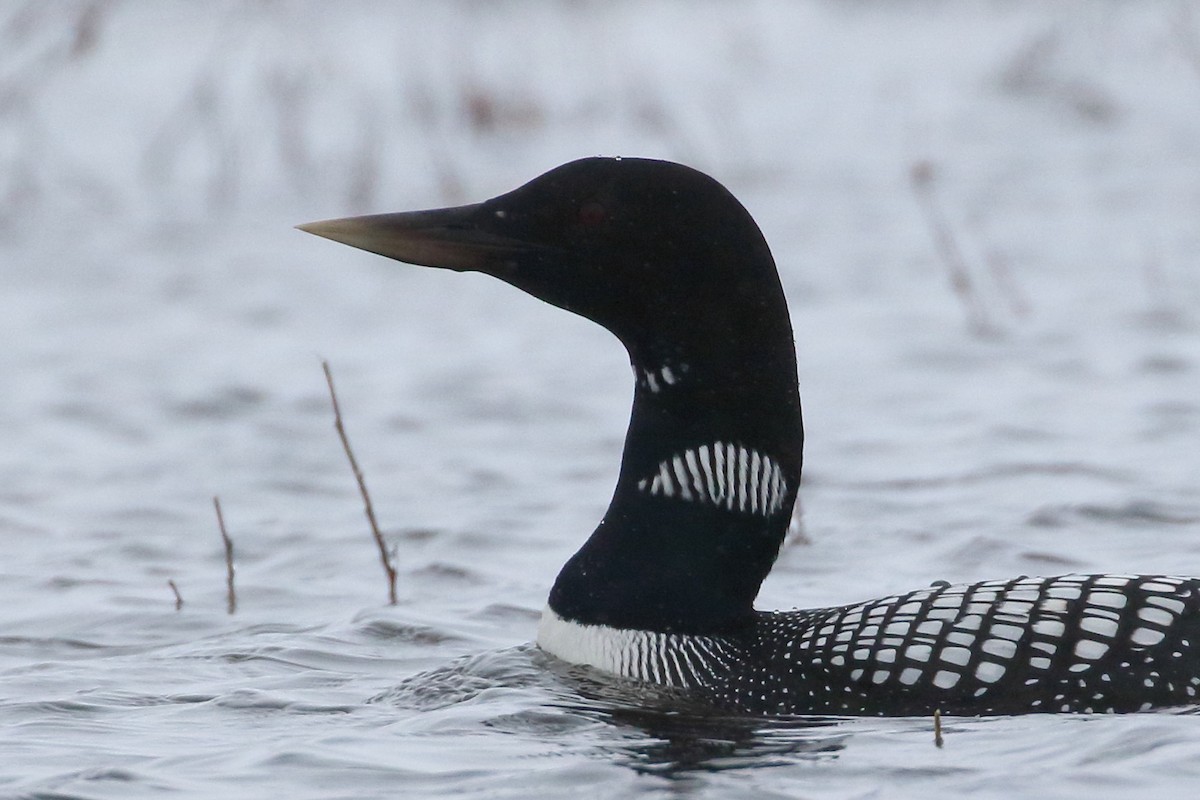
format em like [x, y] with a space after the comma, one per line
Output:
[649, 729]
[678, 743]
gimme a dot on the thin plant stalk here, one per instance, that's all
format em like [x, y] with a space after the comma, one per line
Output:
[230, 592]
[384, 558]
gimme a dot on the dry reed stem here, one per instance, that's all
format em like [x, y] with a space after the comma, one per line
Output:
[1006, 282]
[231, 593]
[923, 178]
[937, 728]
[178, 596]
[384, 558]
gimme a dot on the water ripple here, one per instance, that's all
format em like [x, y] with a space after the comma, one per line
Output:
[1135, 513]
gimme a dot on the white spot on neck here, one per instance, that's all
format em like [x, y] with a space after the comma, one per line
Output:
[658, 379]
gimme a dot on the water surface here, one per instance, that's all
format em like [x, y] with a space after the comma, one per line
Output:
[164, 326]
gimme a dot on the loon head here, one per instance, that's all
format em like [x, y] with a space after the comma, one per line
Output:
[656, 252]
[669, 261]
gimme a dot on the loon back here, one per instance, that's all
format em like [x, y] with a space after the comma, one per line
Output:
[670, 262]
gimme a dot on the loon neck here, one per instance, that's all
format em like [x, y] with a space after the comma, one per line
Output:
[708, 479]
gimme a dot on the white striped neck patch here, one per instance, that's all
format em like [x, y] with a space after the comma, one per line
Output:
[724, 475]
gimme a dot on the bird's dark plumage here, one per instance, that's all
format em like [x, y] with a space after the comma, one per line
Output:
[670, 262]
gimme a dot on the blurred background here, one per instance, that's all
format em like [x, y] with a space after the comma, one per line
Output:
[986, 217]
[1019, 180]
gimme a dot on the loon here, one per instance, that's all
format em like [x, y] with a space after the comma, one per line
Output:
[663, 591]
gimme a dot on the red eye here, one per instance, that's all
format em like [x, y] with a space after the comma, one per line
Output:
[591, 214]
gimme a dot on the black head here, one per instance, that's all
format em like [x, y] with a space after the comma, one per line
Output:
[652, 250]
[668, 260]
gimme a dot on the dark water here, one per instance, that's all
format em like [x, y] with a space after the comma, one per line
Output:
[163, 328]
